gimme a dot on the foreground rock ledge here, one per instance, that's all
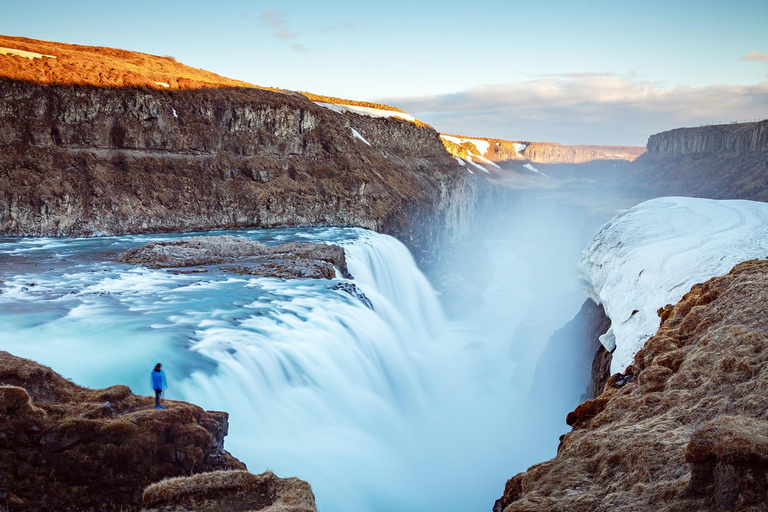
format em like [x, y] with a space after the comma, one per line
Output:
[684, 428]
[224, 491]
[68, 448]
[288, 260]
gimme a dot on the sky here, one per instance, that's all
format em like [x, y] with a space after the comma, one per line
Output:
[575, 72]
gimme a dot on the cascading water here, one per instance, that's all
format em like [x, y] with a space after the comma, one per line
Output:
[381, 409]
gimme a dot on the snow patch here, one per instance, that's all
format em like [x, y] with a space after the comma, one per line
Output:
[25, 54]
[174, 113]
[357, 135]
[163, 84]
[518, 148]
[469, 160]
[461, 162]
[532, 168]
[651, 255]
[365, 111]
[481, 145]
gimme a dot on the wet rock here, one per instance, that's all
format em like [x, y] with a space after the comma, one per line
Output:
[290, 260]
[354, 291]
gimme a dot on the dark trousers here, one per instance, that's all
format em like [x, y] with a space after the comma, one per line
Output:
[158, 392]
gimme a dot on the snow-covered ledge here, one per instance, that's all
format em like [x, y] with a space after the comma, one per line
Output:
[651, 255]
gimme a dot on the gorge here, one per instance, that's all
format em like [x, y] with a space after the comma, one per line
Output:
[473, 342]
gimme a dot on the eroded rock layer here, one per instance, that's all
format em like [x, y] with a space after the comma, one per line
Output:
[684, 428]
[67, 448]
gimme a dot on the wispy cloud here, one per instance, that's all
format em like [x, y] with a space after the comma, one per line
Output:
[342, 27]
[753, 55]
[587, 108]
[278, 20]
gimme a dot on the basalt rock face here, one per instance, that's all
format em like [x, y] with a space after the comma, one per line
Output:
[727, 138]
[684, 428]
[84, 160]
[716, 162]
[67, 448]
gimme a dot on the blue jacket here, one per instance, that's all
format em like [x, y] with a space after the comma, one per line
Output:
[158, 380]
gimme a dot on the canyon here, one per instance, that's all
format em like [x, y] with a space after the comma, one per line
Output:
[97, 142]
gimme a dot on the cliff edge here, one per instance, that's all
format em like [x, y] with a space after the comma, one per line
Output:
[68, 448]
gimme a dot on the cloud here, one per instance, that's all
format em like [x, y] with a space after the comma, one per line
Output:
[591, 108]
[278, 20]
[753, 55]
[342, 27]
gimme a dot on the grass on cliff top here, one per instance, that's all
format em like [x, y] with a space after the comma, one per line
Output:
[222, 491]
[111, 67]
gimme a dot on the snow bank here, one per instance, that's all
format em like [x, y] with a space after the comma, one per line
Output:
[518, 148]
[26, 55]
[365, 111]
[651, 255]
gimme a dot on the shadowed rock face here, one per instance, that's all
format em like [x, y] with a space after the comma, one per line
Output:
[726, 138]
[684, 428]
[83, 160]
[64, 447]
[284, 261]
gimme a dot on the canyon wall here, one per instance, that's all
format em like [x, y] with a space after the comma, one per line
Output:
[84, 160]
[727, 138]
[552, 153]
[716, 162]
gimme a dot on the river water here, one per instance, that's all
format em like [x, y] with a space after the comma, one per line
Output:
[386, 409]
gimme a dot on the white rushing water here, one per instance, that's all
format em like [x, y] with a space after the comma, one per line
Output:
[384, 409]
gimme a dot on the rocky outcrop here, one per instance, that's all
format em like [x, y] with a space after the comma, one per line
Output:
[87, 160]
[684, 427]
[229, 491]
[725, 138]
[67, 448]
[284, 260]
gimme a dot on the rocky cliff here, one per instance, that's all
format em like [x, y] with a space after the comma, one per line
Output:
[717, 162]
[85, 160]
[65, 447]
[727, 138]
[684, 428]
[552, 153]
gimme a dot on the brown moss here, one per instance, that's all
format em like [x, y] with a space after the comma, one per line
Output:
[224, 491]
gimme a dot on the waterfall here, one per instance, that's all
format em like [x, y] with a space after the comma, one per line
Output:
[382, 406]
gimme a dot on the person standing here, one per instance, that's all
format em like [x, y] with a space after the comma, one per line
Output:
[158, 384]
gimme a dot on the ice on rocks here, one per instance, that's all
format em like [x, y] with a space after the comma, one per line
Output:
[651, 255]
